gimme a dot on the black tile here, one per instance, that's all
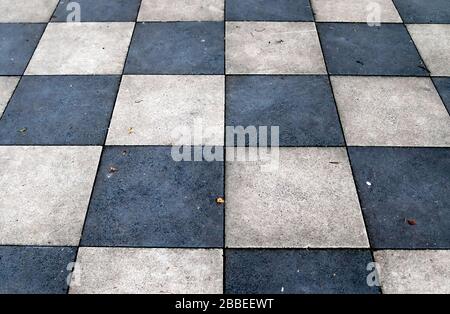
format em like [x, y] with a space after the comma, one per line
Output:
[404, 195]
[268, 10]
[297, 271]
[35, 269]
[420, 11]
[98, 10]
[443, 87]
[148, 199]
[177, 48]
[17, 44]
[71, 110]
[302, 107]
[360, 49]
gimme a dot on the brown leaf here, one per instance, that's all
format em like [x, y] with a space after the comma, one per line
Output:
[411, 222]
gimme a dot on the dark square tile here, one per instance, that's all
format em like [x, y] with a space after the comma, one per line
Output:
[268, 10]
[60, 110]
[359, 49]
[420, 11]
[302, 107]
[443, 87]
[177, 48]
[404, 195]
[17, 44]
[35, 269]
[297, 271]
[153, 201]
[99, 10]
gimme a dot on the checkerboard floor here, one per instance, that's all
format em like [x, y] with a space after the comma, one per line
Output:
[91, 200]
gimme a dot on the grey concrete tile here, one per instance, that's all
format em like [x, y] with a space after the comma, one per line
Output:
[81, 48]
[45, 193]
[173, 105]
[355, 11]
[273, 48]
[391, 111]
[127, 270]
[416, 272]
[433, 43]
[26, 11]
[7, 86]
[309, 201]
[181, 10]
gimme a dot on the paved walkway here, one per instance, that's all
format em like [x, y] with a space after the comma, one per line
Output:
[93, 193]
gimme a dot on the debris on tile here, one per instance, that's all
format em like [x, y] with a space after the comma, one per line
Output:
[411, 222]
[220, 200]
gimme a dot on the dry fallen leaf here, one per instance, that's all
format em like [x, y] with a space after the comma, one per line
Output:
[220, 200]
[411, 222]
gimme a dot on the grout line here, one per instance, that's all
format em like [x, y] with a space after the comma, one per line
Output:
[288, 248]
[104, 141]
[345, 143]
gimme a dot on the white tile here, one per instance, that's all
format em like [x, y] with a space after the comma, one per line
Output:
[181, 10]
[391, 111]
[7, 86]
[45, 193]
[310, 201]
[137, 270]
[414, 271]
[26, 11]
[433, 43]
[81, 48]
[364, 11]
[150, 110]
[273, 48]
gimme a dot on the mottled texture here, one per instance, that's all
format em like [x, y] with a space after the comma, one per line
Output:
[404, 195]
[268, 10]
[420, 11]
[273, 48]
[98, 10]
[35, 269]
[417, 272]
[17, 44]
[394, 111]
[45, 193]
[363, 11]
[81, 48]
[166, 109]
[309, 201]
[443, 87]
[127, 270]
[152, 200]
[302, 107]
[364, 50]
[176, 48]
[433, 43]
[59, 110]
[26, 11]
[7, 86]
[181, 10]
[297, 271]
